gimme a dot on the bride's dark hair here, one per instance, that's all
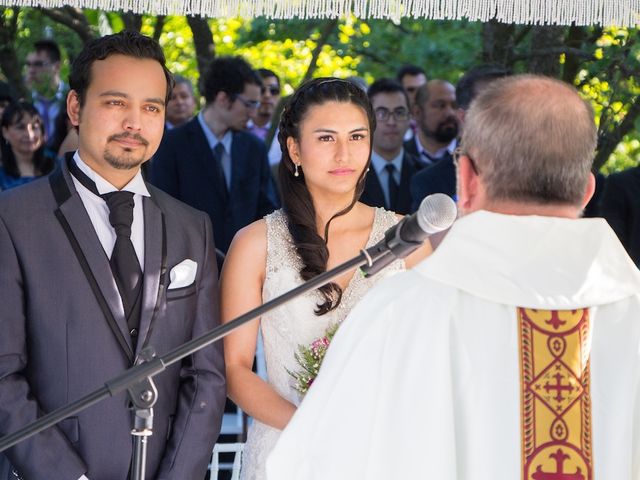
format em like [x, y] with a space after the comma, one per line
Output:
[296, 199]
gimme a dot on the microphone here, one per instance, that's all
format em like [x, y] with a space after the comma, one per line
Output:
[436, 213]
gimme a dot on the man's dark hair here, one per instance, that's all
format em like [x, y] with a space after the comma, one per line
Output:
[128, 43]
[386, 85]
[50, 48]
[228, 75]
[466, 89]
[266, 73]
[409, 70]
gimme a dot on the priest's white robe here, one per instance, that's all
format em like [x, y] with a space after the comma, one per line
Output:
[422, 380]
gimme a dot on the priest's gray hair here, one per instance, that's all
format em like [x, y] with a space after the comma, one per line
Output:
[533, 139]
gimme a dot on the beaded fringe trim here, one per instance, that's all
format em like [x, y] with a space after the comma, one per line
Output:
[622, 13]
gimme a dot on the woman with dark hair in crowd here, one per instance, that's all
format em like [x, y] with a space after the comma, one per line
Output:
[22, 146]
[325, 135]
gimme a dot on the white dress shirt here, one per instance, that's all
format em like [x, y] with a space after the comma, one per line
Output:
[99, 211]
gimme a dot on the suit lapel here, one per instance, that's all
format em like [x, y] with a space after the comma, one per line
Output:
[239, 159]
[92, 257]
[154, 265]
[204, 155]
[374, 189]
[404, 194]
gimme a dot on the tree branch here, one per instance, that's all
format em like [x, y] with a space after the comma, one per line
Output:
[554, 51]
[203, 42]
[69, 19]
[157, 30]
[327, 29]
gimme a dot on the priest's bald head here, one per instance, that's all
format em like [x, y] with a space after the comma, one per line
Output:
[527, 148]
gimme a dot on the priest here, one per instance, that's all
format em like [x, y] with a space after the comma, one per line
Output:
[513, 352]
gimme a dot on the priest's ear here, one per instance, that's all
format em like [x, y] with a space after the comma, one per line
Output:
[470, 188]
[589, 190]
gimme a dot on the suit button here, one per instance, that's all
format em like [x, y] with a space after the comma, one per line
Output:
[133, 332]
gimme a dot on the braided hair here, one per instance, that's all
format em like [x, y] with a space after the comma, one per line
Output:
[297, 203]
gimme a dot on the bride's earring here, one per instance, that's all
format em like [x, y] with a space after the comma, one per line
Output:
[296, 173]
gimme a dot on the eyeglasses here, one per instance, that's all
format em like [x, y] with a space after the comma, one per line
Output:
[250, 104]
[399, 114]
[272, 89]
[36, 64]
[457, 153]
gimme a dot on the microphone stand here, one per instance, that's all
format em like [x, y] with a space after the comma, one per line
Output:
[138, 380]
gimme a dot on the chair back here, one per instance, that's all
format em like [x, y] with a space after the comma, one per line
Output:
[215, 466]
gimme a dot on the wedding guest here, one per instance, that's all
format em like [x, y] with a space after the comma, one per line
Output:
[411, 77]
[48, 91]
[440, 177]
[435, 112]
[182, 104]
[392, 168]
[211, 163]
[322, 224]
[23, 153]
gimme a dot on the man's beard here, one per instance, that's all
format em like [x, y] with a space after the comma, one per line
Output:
[125, 161]
[445, 132]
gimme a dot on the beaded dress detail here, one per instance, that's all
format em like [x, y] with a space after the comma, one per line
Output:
[295, 323]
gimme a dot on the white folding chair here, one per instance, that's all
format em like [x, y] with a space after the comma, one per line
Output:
[233, 423]
[215, 466]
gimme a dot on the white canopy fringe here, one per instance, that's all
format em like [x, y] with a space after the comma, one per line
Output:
[623, 13]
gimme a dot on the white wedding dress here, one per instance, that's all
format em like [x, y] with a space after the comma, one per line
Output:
[295, 323]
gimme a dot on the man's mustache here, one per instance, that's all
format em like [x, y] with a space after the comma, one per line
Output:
[135, 136]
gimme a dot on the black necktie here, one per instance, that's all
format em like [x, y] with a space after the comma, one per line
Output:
[124, 261]
[392, 186]
[218, 155]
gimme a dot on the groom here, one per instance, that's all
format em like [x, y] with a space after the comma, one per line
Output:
[96, 265]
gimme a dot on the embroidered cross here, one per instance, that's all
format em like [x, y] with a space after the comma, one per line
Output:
[559, 474]
[558, 387]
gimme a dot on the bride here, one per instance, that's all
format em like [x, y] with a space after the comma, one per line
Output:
[326, 133]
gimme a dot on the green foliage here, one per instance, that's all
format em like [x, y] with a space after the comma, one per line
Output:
[375, 48]
[610, 82]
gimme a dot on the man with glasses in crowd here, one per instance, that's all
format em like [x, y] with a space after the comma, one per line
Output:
[212, 163]
[42, 76]
[392, 167]
[260, 124]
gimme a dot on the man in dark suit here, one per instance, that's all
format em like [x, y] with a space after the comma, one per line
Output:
[387, 182]
[440, 176]
[620, 206]
[211, 162]
[434, 111]
[96, 265]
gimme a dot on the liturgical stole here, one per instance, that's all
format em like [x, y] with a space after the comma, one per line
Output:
[555, 400]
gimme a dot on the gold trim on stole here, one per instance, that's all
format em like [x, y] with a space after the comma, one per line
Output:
[555, 400]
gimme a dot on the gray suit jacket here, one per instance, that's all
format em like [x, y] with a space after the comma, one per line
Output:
[64, 334]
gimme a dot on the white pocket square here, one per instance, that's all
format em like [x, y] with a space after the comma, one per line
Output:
[183, 274]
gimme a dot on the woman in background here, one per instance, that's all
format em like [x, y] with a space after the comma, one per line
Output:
[22, 146]
[325, 135]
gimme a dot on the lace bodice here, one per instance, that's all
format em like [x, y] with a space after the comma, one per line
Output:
[295, 322]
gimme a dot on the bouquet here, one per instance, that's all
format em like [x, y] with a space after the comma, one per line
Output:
[309, 358]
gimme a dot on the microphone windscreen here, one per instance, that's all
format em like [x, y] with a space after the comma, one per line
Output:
[436, 213]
